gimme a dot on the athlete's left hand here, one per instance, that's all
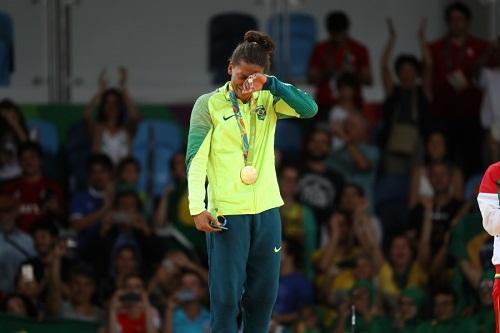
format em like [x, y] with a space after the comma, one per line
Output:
[254, 82]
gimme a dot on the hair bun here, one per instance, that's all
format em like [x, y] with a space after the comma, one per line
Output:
[260, 38]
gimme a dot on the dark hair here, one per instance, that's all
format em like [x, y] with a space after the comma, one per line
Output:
[319, 128]
[457, 6]
[126, 193]
[357, 187]
[121, 105]
[133, 276]
[347, 216]
[348, 80]
[443, 163]
[4, 126]
[443, 290]
[125, 162]
[82, 270]
[366, 256]
[401, 235]
[31, 310]
[256, 48]
[45, 224]
[428, 138]
[337, 21]
[194, 273]
[100, 159]
[294, 249]
[29, 146]
[407, 59]
[127, 247]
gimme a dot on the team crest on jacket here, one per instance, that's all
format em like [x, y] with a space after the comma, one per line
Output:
[261, 112]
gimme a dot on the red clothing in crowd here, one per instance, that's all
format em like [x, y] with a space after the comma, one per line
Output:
[130, 325]
[31, 197]
[447, 58]
[350, 57]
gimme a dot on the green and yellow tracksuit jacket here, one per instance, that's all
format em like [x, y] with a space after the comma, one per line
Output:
[215, 148]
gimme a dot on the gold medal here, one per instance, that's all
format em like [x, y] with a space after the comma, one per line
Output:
[248, 175]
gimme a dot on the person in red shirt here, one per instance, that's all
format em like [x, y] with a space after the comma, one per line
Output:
[335, 56]
[37, 195]
[130, 310]
[456, 100]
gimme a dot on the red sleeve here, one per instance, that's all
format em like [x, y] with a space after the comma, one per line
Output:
[489, 184]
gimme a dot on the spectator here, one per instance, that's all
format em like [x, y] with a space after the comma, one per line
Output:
[489, 81]
[319, 186]
[173, 210]
[117, 118]
[15, 245]
[436, 151]
[456, 100]
[335, 261]
[406, 105]
[441, 210]
[445, 318]
[310, 321]
[46, 238]
[90, 206]
[81, 290]
[348, 87]
[167, 278]
[403, 268]
[124, 224]
[128, 172]
[164, 282]
[409, 314]
[471, 248]
[13, 131]
[485, 315]
[364, 268]
[37, 195]
[29, 285]
[335, 56]
[354, 202]
[19, 305]
[180, 260]
[297, 220]
[125, 263]
[357, 160]
[130, 310]
[186, 312]
[295, 290]
[362, 297]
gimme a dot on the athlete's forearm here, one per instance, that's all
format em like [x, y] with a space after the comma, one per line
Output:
[297, 99]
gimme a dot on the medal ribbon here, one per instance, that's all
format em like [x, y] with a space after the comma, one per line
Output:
[247, 145]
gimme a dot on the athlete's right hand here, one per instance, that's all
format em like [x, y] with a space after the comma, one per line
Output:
[202, 222]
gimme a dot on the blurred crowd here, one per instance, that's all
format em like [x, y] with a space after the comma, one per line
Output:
[381, 228]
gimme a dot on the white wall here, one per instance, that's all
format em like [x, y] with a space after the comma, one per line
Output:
[30, 51]
[164, 43]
